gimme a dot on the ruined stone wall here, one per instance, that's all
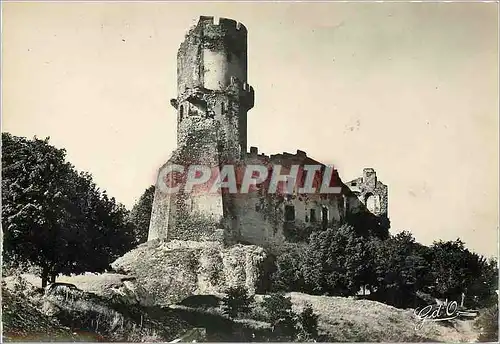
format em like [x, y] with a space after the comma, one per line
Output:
[211, 106]
[160, 212]
[261, 216]
[213, 51]
[369, 192]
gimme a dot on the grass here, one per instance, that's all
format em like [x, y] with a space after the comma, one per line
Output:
[81, 316]
[88, 316]
[344, 319]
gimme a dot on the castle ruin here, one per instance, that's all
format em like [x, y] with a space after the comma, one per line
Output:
[213, 100]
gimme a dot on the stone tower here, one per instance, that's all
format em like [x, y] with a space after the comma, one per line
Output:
[212, 82]
[213, 98]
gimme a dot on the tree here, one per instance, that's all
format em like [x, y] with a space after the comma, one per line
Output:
[485, 287]
[236, 301]
[53, 216]
[456, 270]
[312, 271]
[401, 269]
[290, 268]
[487, 324]
[141, 215]
[345, 258]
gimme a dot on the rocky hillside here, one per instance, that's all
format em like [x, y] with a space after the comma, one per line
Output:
[167, 273]
[160, 292]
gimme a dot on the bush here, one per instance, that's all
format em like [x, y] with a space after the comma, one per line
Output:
[283, 321]
[488, 325]
[308, 322]
[236, 301]
[288, 274]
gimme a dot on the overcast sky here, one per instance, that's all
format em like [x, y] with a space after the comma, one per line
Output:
[409, 89]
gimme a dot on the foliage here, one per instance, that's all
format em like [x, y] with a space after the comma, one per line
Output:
[288, 275]
[455, 270]
[400, 269]
[140, 215]
[345, 258]
[308, 322]
[341, 261]
[336, 261]
[488, 324]
[236, 301]
[369, 225]
[55, 217]
[279, 312]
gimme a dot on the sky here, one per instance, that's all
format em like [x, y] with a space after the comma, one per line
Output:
[409, 89]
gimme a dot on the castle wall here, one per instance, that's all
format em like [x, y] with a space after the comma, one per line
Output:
[160, 213]
[262, 218]
[196, 216]
[370, 193]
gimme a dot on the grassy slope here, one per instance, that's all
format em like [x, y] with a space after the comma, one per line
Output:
[85, 316]
[347, 319]
[81, 316]
[22, 321]
[340, 319]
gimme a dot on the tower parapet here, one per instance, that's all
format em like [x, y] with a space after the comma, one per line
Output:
[212, 52]
[212, 80]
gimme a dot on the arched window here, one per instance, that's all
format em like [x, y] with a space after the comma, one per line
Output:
[222, 108]
[372, 203]
[181, 112]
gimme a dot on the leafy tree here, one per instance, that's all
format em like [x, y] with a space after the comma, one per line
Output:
[484, 288]
[289, 268]
[312, 271]
[401, 269]
[35, 181]
[53, 216]
[141, 215]
[236, 301]
[456, 270]
[345, 258]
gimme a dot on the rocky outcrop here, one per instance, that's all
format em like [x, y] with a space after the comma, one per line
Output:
[168, 272]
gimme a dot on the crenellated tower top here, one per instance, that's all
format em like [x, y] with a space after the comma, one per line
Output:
[212, 80]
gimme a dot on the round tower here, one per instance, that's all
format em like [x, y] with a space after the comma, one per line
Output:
[212, 82]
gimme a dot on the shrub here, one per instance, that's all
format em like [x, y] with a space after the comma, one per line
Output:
[236, 301]
[308, 322]
[288, 275]
[281, 316]
[488, 325]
